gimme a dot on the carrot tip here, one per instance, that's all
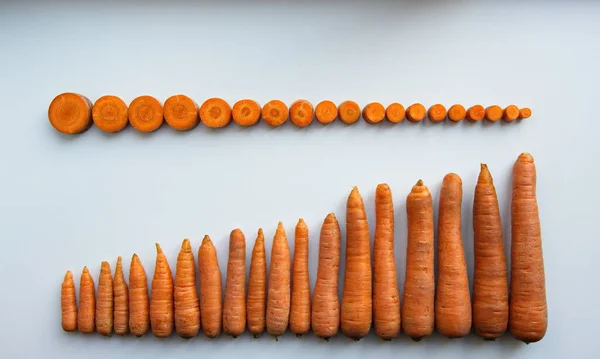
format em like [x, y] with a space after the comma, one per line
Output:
[158, 249]
[260, 232]
[85, 269]
[68, 275]
[525, 157]
[206, 239]
[186, 244]
[419, 182]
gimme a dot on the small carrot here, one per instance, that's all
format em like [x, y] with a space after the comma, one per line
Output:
[325, 318]
[357, 312]
[121, 302]
[475, 113]
[68, 303]
[300, 304]
[525, 112]
[161, 302]
[373, 112]
[416, 112]
[326, 112]
[145, 114]
[181, 112]
[87, 303]
[110, 113]
[452, 297]
[456, 113]
[185, 295]
[105, 301]
[349, 112]
[278, 297]
[419, 284]
[301, 113]
[234, 305]
[70, 113]
[246, 112]
[528, 313]
[510, 113]
[211, 292]
[139, 319]
[215, 113]
[257, 287]
[395, 112]
[386, 297]
[437, 113]
[275, 113]
[493, 113]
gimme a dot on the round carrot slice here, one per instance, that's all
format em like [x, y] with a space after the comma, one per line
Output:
[349, 112]
[246, 112]
[437, 113]
[525, 112]
[181, 112]
[275, 113]
[493, 113]
[145, 113]
[456, 113]
[215, 113]
[373, 112]
[326, 112]
[110, 113]
[511, 113]
[70, 113]
[415, 112]
[475, 113]
[395, 112]
[301, 113]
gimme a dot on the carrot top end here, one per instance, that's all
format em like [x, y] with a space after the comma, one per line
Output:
[525, 157]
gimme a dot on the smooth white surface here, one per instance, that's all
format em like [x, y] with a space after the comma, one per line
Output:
[72, 201]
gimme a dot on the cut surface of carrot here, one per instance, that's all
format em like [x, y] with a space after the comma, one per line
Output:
[301, 113]
[395, 112]
[437, 113]
[416, 112]
[373, 112]
[70, 113]
[525, 112]
[275, 113]
[349, 112]
[215, 113]
[246, 112]
[181, 112]
[110, 113]
[511, 113]
[475, 113]
[493, 113]
[456, 113]
[326, 112]
[145, 113]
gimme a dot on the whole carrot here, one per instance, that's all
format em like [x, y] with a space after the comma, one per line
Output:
[211, 293]
[528, 313]
[278, 297]
[490, 280]
[386, 298]
[257, 287]
[234, 305]
[68, 303]
[121, 301]
[300, 305]
[87, 303]
[419, 284]
[325, 316]
[161, 303]
[185, 295]
[139, 319]
[105, 301]
[357, 315]
[452, 297]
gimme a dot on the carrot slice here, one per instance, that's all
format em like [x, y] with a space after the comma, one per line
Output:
[181, 112]
[349, 112]
[110, 113]
[70, 113]
[475, 113]
[493, 113]
[437, 113]
[456, 113]
[395, 112]
[326, 112]
[511, 113]
[68, 303]
[525, 112]
[145, 114]
[246, 112]
[415, 112]
[215, 113]
[275, 113]
[301, 113]
[373, 112]
[104, 301]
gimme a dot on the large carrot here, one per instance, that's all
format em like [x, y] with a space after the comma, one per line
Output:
[452, 297]
[419, 284]
[234, 305]
[185, 295]
[121, 303]
[86, 318]
[161, 302]
[386, 298]
[105, 301]
[300, 304]
[490, 280]
[257, 287]
[278, 297]
[68, 303]
[357, 306]
[139, 319]
[325, 316]
[211, 293]
[528, 314]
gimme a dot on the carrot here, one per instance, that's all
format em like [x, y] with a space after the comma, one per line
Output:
[145, 114]
[68, 303]
[475, 113]
[109, 113]
[104, 301]
[419, 284]
[234, 305]
[456, 113]
[437, 113]
[181, 112]
[257, 287]
[215, 113]
[490, 281]
[87, 303]
[139, 319]
[211, 293]
[121, 301]
[452, 297]
[300, 304]
[386, 298]
[70, 113]
[525, 112]
[493, 113]
[301, 113]
[349, 112]
[373, 112]
[415, 112]
[185, 295]
[278, 297]
[275, 113]
[246, 112]
[528, 313]
[161, 303]
[326, 112]
[325, 317]
[395, 112]
[357, 303]
[510, 113]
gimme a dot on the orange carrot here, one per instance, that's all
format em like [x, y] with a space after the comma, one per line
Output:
[510, 113]
[145, 114]
[185, 295]
[493, 113]
[110, 113]
[437, 113]
[87, 303]
[139, 319]
[278, 297]
[395, 112]
[349, 112]
[68, 303]
[121, 303]
[475, 113]
[215, 113]
[456, 113]
[326, 112]
[419, 284]
[415, 112]
[525, 112]
[275, 113]
[301, 113]
[452, 297]
[104, 301]
[386, 298]
[70, 113]
[181, 112]
[211, 293]
[528, 313]
[257, 287]
[325, 316]
[356, 316]
[234, 305]
[161, 303]
[490, 281]
[300, 304]
[373, 112]
[246, 112]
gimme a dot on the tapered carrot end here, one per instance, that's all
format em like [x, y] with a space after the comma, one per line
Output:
[119, 262]
[331, 216]
[104, 268]
[260, 237]
[280, 227]
[236, 232]
[354, 191]
[452, 178]
[135, 260]
[484, 175]
[185, 245]
[419, 183]
[158, 249]
[525, 158]
[68, 276]
[206, 240]
[85, 270]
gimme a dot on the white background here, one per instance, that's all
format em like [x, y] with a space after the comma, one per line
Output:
[70, 201]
